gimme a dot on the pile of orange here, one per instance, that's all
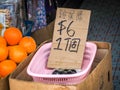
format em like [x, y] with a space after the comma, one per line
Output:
[14, 48]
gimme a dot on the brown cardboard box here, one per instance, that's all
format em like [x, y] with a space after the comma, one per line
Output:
[4, 83]
[100, 77]
[43, 34]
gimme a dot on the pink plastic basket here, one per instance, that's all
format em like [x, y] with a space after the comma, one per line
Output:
[40, 73]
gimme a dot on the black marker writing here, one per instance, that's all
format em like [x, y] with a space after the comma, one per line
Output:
[62, 26]
[70, 32]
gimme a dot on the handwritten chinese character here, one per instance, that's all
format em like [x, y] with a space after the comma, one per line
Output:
[71, 15]
[74, 44]
[62, 14]
[79, 15]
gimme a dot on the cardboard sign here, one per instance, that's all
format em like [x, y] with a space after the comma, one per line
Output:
[69, 38]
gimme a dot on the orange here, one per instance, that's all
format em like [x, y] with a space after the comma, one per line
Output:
[17, 53]
[7, 67]
[12, 35]
[3, 41]
[3, 52]
[28, 43]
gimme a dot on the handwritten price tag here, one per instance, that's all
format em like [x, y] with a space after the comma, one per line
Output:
[69, 38]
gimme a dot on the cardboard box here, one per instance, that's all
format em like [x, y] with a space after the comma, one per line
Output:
[43, 34]
[100, 77]
[4, 83]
